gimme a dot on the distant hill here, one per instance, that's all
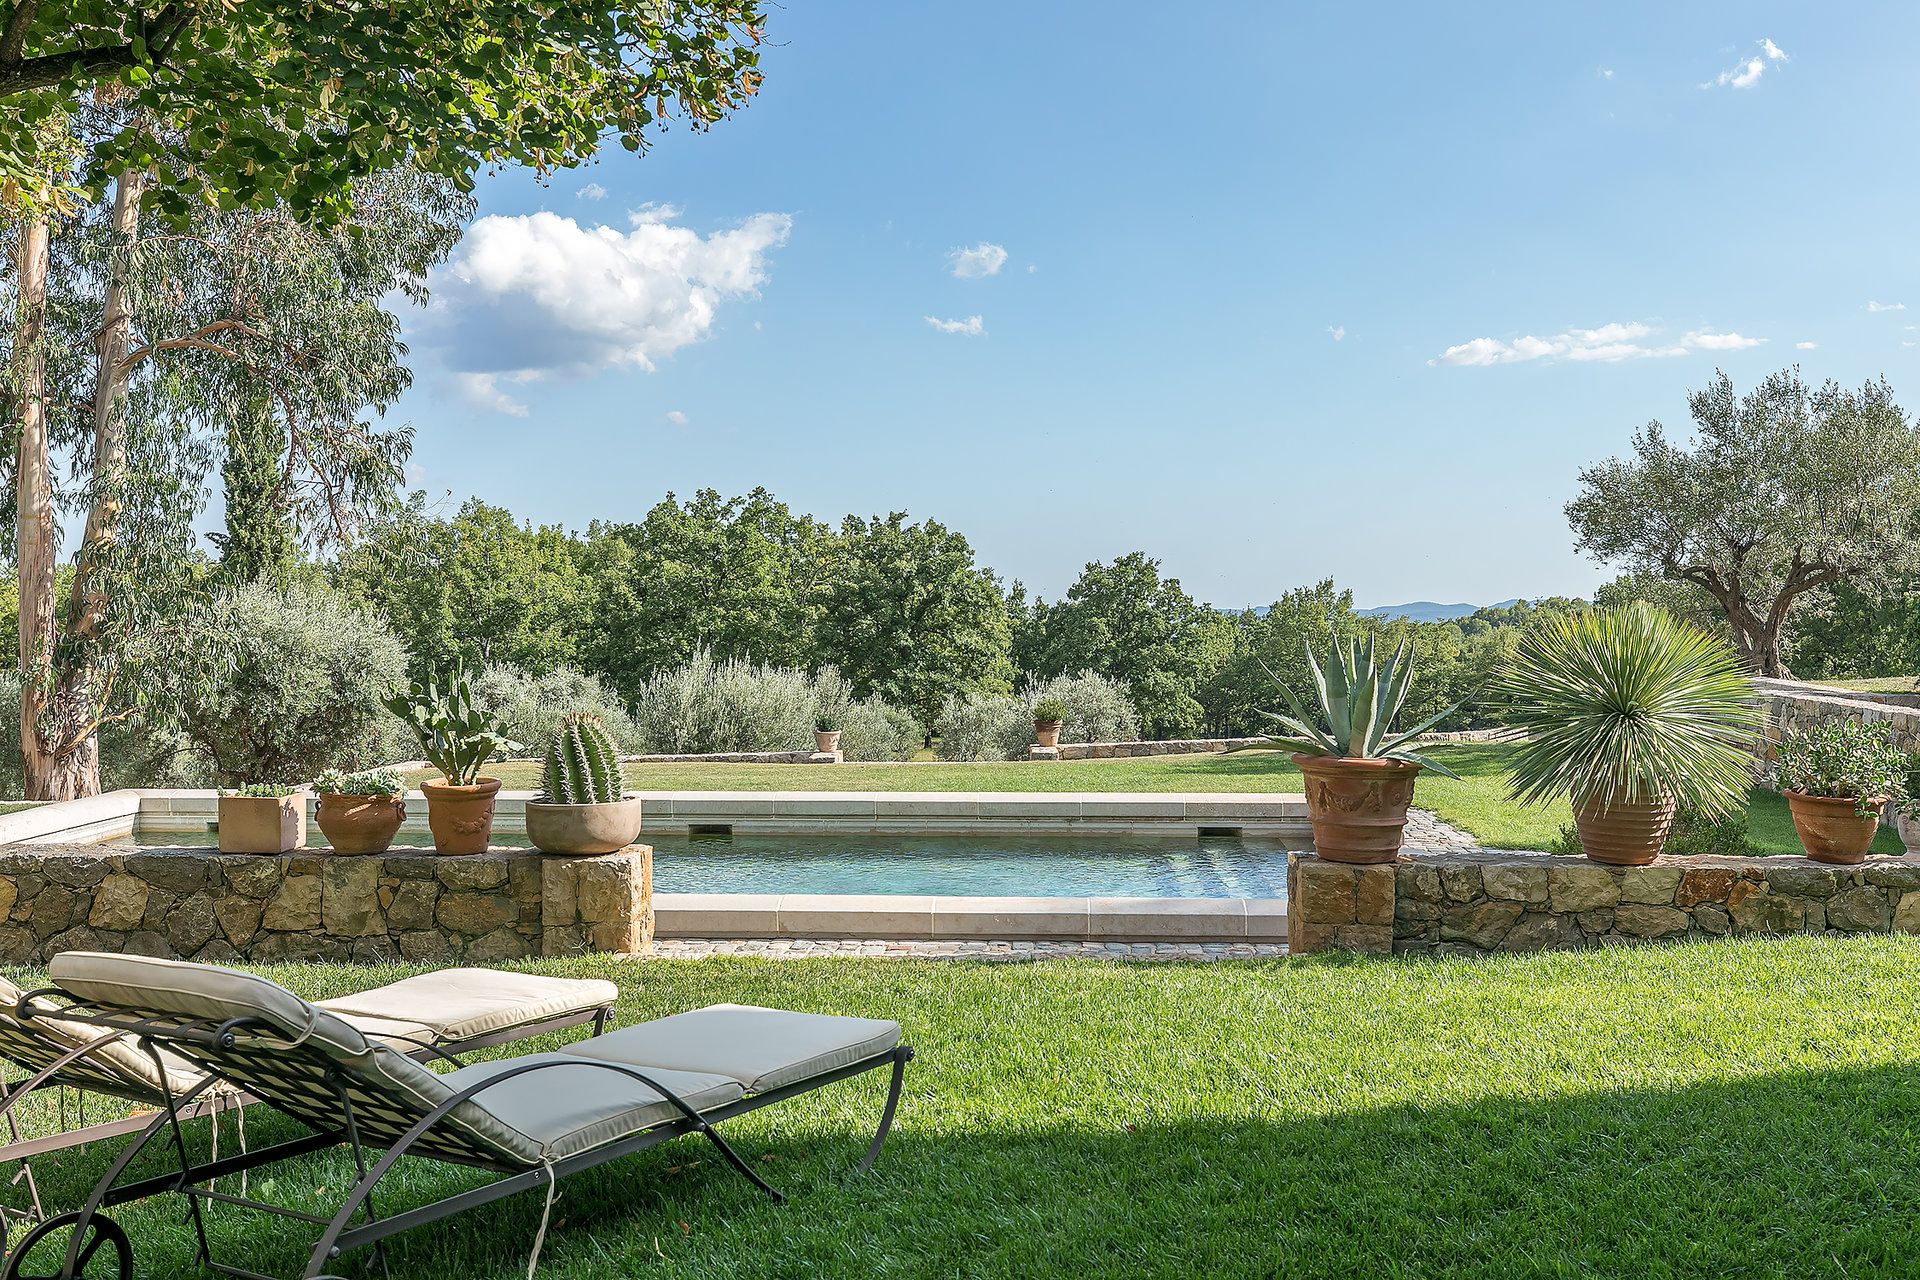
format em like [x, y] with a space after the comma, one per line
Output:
[1428, 611]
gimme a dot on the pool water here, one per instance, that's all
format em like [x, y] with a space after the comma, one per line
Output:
[1050, 866]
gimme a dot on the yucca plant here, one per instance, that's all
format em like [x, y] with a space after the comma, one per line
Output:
[1359, 700]
[1629, 706]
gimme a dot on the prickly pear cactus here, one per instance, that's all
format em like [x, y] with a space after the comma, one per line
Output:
[583, 766]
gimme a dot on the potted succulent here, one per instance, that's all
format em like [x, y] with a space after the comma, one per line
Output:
[1629, 714]
[1048, 715]
[583, 807]
[826, 733]
[456, 738]
[360, 813]
[1359, 773]
[1906, 813]
[262, 818]
[1837, 778]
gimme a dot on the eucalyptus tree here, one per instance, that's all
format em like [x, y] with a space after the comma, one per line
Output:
[197, 104]
[1784, 490]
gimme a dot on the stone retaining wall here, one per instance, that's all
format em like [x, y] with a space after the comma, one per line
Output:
[418, 906]
[1789, 705]
[1477, 901]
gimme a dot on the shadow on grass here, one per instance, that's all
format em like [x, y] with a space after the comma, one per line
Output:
[1791, 1175]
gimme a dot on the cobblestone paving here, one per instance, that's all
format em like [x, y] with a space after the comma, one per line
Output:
[802, 948]
[1426, 831]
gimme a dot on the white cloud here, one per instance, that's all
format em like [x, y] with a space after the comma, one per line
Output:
[1609, 342]
[676, 417]
[977, 261]
[1338, 332]
[1886, 306]
[972, 326]
[1606, 73]
[1747, 72]
[537, 296]
[1805, 346]
[592, 191]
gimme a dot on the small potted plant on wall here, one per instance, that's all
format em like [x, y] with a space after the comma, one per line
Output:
[1837, 778]
[457, 738]
[360, 813]
[826, 733]
[262, 818]
[1048, 715]
[1359, 773]
[583, 807]
[1629, 714]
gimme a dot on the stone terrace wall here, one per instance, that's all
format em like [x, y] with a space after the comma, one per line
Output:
[1471, 902]
[1790, 704]
[1201, 746]
[195, 903]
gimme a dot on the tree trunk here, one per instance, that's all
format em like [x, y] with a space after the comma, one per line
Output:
[33, 513]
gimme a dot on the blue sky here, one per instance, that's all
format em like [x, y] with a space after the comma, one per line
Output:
[1287, 292]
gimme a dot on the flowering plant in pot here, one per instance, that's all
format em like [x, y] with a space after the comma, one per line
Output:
[826, 733]
[1837, 778]
[1359, 772]
[360, 813]
[456, 737]
[1629, 714]
[583, 807]
[262, 817]
[1048, 715]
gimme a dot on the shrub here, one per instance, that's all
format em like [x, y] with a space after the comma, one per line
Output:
[1093, 708]
[368, 782]
[1048, 710]
[875, 730]
[1694, 834]
[985, 726]
[1849, 760]
[531, 707]
[734, 705]
[275, 683]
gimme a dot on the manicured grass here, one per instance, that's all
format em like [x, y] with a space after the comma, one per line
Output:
[1477, 803]
[1735, 1108]
[1879, 684]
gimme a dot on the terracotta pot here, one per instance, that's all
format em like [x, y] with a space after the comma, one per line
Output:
[1047, 732]
[1358, 807]
[1625, 834]
[262, 824]
[461, 817]
[1831, 828]
[359, 824]
[584, 828]
[1909, 829]
[826, 741]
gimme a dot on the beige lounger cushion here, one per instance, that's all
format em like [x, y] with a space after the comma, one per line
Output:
[761, 1048]
[465, 1004]
[576, 1106]
[114, 1065]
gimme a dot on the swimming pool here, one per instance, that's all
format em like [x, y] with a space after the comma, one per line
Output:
[977, 865]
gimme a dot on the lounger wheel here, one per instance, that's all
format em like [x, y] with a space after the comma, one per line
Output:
[105, 1254]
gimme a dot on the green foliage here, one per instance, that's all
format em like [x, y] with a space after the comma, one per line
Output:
[530, 707]
[870, 729]
[985, 726]
[1847, 629]
[1844, 759]
[1049, 710]
[825, 723]
[996, 726]
[582, 765]
[1694, 834]
[1092, 708]
[261, 790]
[1359, 700]
[455, 736]
[368, 782]
[710, 705]
[259, 541]
[1627, 705]
[1785, 490]
[276, 682]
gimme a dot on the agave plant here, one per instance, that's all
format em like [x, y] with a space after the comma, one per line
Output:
[1359, 699]
[1629, 706]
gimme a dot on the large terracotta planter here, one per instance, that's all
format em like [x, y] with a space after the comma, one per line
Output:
[1831, 828]
[262, 824]
[584, 828]
[1358, 807]
[1047, 732]
[461, 818]
[359, 824]
[1909, 829]
[1625, 834]
[826, 741]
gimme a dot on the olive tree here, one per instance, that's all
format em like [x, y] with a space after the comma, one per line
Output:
[1783, 490]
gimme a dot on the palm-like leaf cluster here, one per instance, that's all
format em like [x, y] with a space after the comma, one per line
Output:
[1630, 705]
[1359, 699]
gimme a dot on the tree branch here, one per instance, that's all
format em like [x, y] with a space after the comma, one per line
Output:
[198, 338]
[13, 40]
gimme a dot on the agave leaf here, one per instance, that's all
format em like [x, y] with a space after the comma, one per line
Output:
[1401, 669]
[1334, 698]
[1401, 739]
[1301, 729]
[1366, 703]
[1303, 723]
[1425, 762]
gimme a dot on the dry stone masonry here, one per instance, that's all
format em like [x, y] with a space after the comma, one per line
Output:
[1476, 901]
[1791, 705]
[416, 906]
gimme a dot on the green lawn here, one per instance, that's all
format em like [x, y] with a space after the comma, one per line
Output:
[1477, 803]
[1879, 684]
[1732, 1108]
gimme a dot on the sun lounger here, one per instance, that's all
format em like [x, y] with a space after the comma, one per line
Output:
[442, 1014]
[532, 1120]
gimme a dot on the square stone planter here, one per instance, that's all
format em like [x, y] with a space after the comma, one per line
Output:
[262, 824]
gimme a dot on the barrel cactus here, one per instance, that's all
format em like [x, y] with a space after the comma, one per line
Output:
[583, 766]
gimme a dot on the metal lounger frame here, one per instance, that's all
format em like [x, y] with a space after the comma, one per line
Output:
[340, 1235]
